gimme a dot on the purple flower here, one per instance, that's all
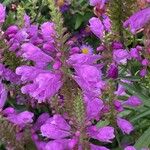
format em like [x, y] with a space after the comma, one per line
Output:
[81, 59]
[74, 50]
[86, 49]
[107, 23]
[8, 111]
[56, 128]
[57, 65]
[104, 134]
[3, 95]
[97, 27]
[44, 86]
[20, 36]
[120, 91]
[40, 145]
[138, 20]
[100, 48]
[94, 106]
[124, 125]
[11, 31]
[130, 148]
[120, 56]
[133, 101]
[27, 21]
[60, 144]
[43, 83]
[95, 147]
[89, 79]
[9, 75]
[40, 121]
[118, 105]
[134, 53]
[48, 31]
[143, 72]
[33, 53]
[2, 14]
[98, 3]
[145, 62]
[29, 73]
[21, 119]
[117, 45]
[112, 71]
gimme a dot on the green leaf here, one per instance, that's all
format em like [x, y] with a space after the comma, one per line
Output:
[130, 78]
[103, 123]
[141, 115]
[79, 21]
[144, 140]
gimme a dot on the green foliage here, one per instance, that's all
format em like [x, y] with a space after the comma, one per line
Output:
[8, 134]
[7, 2]
[81, 13]
[143, 141]
[57, 18]
[20, 15]
[11, 60]
[119, 11]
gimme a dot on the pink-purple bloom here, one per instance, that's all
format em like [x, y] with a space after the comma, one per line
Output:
[134, 53]
[31, 52]
[89, 79]
[98, 3]
[44, 83]
[112, 71]
[124, 125]
[20, 119]
[97, 27]
[104, 134]
[3, 95]
[107, 23]
[9, 75]
[138, 20]
[48, 31]
[86, 49]
[120, 56]
[133, 101]
[56, 128]
[83, 59]
[95, 147]
[130, 148]
[94, 106]
[2, 14]
[44, 86]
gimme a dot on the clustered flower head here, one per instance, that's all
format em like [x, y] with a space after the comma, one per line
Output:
[43, 76]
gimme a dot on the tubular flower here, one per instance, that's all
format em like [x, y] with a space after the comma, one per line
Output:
[2, 14]
[3, 95]
[98, 3]
[130, 148]
[97, 27]
[138, 20]
[89, 79]
[31, 52]
[104, 134]
[44, 86]
[133, 101]
[124, 125]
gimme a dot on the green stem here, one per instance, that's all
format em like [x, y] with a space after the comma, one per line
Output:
[112, 111]
[120, 17]
[39, 11]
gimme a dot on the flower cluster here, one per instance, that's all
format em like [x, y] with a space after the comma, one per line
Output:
[43, 78]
